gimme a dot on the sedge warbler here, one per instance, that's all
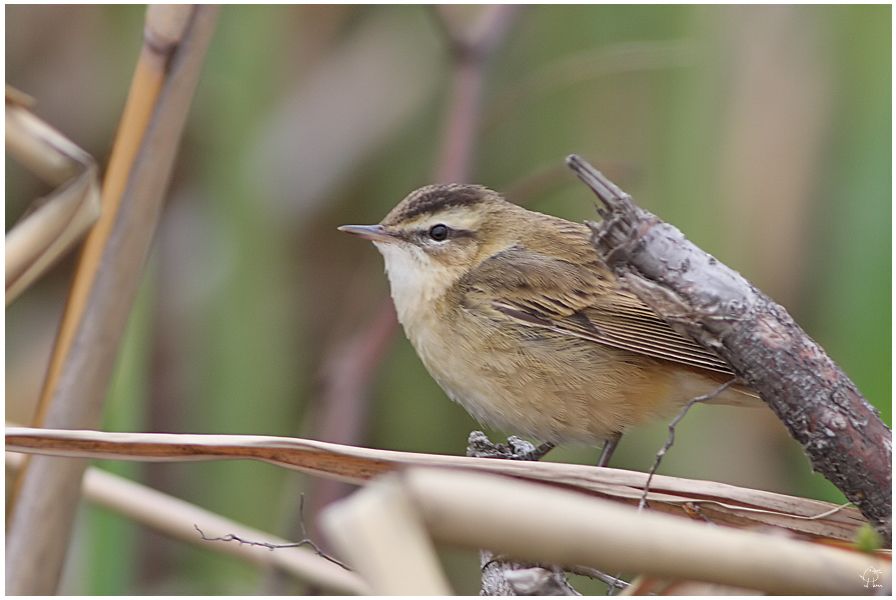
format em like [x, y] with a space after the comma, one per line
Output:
[518, 320]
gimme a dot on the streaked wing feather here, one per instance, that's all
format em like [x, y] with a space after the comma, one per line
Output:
[546, 292]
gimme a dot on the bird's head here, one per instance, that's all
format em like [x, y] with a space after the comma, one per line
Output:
[438, 233]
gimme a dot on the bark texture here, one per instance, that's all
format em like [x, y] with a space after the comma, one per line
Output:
[841, 433]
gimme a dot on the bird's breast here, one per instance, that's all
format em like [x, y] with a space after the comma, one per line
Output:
[520, 383]
[548, 387]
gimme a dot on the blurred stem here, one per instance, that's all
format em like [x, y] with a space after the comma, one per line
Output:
[471, 54]
[462, 123]
[343, 406]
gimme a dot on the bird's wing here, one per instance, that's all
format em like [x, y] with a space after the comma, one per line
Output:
[572, 299]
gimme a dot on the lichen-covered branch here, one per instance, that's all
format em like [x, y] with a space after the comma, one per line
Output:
[841, 433]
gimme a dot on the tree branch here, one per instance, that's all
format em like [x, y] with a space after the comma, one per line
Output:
[841, 433]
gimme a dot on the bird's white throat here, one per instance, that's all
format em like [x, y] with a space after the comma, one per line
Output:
[414, 278]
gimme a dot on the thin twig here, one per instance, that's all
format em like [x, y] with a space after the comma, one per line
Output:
[671, 439]
[175, 518]
[303, 542]
[611, 581]
[302, 515]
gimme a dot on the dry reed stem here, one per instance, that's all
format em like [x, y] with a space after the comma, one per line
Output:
[343, 398]
[717, 502]
[381, 533]
[541, 523]
[106, 280]
[60, 219]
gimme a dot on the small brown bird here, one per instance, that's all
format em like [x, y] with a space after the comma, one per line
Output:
[519, 321]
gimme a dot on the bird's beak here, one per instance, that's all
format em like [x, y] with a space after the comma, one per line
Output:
[374, 233]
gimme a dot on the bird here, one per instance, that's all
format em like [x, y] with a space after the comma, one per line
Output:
[518, 320]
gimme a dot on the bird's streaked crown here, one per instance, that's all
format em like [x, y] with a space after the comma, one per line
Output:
[433, 199]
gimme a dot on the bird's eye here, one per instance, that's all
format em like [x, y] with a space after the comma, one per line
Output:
[438, 232]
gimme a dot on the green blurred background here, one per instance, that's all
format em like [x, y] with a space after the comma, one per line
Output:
[762, 132]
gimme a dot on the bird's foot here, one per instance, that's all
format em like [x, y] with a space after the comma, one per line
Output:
[516, 448]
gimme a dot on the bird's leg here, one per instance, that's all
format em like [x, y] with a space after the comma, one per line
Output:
[609, 447]
[539, 452]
